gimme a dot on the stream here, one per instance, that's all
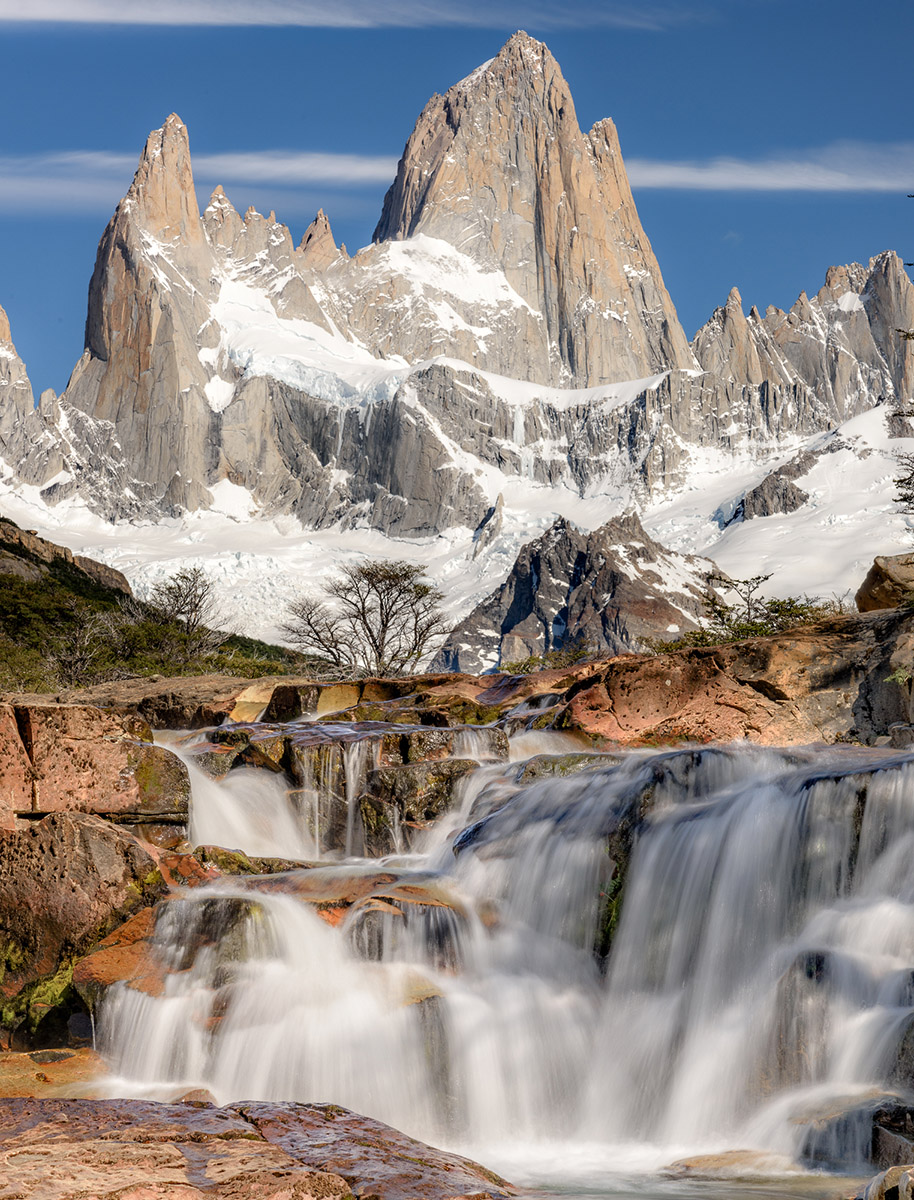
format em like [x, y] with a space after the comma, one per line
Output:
[748, 988]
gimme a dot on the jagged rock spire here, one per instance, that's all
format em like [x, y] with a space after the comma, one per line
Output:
[162, 191]
[499, 168]
[317, 247]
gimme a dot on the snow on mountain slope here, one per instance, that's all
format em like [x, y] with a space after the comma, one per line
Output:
[826, 546]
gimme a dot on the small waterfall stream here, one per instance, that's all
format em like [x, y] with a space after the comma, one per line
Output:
[760, 974]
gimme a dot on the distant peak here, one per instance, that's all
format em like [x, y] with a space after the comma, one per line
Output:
[317, 247]
[521, 54]
[5, 334]
[162, 197]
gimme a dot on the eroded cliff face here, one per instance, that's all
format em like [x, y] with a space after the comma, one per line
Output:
[826, 360]
[499, 168]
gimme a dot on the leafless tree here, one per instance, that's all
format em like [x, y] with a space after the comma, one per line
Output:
[76, 653]
[377, 617]
[188, 598]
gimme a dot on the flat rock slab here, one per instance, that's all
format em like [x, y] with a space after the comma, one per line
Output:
[51, 1073]
[139, 1150]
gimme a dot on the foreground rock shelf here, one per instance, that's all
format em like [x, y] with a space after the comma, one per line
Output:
[135, 1150]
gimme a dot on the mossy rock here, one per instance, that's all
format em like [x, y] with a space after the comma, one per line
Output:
[162, 780]
[235, 862]
[544, 765]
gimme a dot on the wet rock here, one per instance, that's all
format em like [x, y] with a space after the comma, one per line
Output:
[419, 791]
[731, 1164]
[543, 765]
[839, 1133]
[401, 801]
[372, 1157]
[65, 883]
[51, 1073]
[128, 955]
[234, 862]
[136, 1150]
[895, 1184]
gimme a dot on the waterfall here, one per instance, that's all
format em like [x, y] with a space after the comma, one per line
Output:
[697, 949]
[249, 810]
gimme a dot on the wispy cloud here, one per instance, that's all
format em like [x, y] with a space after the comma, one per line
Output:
[93, 181]
[840, 167]
[81, 181]
[359, 14]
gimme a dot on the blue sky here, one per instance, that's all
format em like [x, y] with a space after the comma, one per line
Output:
[765, 140]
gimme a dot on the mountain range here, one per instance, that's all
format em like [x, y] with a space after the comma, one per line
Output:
[503, 354]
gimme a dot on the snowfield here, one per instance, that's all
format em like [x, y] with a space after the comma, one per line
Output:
[258, 566]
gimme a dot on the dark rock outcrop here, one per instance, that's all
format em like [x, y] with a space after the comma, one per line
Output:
[65, 882]
[24, 553]
[608, 590]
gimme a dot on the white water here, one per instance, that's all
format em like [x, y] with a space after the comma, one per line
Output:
[763, 966]
[249, 810]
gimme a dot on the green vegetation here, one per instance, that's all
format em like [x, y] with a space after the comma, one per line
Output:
[552, 660]
[61, 628]
[751, 615]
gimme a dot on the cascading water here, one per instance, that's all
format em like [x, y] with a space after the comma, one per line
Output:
[762, 968]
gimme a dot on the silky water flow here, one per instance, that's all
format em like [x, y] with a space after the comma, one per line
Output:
[761, 971]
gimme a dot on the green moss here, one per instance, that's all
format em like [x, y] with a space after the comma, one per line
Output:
[610, 913]
[54, 994]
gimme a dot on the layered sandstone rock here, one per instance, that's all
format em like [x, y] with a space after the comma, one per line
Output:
[79, 758]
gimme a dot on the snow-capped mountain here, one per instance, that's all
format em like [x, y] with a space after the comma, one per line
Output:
[506, 341]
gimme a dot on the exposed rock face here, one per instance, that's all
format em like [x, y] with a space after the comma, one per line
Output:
[218, 351]
[15, 388]
[59, 758]
[27, 555]
[138, 1150]
[889, 580]
[499, 165]
[825, 682]
[827, 359]
[608, 589]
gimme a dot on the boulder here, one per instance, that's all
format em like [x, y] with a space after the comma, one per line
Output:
[65, 883]
[85, 759]
[895, 1184]
[889, 580]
